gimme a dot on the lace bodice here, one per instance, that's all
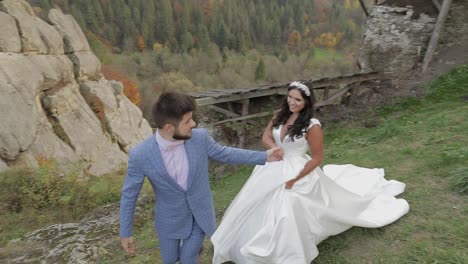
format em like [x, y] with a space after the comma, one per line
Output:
[298, 146]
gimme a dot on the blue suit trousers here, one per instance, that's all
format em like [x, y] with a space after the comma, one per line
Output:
[184, 250]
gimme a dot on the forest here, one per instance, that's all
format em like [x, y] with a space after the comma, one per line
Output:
[194, 45]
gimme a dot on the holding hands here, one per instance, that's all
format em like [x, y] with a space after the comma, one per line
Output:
[275, 154]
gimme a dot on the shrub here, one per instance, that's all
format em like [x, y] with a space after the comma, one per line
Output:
[49, 188]
[131, 90]
[459, 180]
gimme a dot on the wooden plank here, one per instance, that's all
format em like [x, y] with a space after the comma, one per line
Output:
[243, 132]
[243, 118]
[329, 101]
[223, 111]
[235, 97]
[332, 98]
[346, 81]
[435, 34]
[280, 88]
[326, 93]
[230, 113]
[364, 8]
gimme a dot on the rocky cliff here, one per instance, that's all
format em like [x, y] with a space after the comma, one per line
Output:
[395, 39]
[54, 102]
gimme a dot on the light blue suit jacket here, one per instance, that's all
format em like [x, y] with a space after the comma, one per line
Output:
[176, 208]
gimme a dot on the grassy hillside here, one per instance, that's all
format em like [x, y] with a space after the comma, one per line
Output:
[422, 142]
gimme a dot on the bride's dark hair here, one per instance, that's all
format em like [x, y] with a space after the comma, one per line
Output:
[302, 122]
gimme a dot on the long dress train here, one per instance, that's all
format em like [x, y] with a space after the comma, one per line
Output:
[267, 223]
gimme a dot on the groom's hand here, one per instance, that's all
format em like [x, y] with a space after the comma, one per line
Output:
[127, 244]
[275, 154]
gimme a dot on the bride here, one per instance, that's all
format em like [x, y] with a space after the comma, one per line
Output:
[286, 208]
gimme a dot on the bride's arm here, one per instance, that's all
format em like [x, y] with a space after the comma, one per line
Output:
[315, 142]
[267, 137]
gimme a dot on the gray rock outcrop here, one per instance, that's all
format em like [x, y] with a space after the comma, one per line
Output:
[88, 241]
[9, 39]
[36, 35]
[394, 42]
[118, 112]
[73, 38]
[54, 102]
[3, 166]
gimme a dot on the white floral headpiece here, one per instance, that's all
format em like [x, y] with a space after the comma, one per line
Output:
[301, 86]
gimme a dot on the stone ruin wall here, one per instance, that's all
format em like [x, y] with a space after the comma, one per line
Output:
[395, 40]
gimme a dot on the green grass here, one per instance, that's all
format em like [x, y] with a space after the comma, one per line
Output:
[422, 142]
[146, 242]
[34, 198]
[323, 54]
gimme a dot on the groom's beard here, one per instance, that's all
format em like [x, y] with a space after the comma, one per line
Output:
[178, 136]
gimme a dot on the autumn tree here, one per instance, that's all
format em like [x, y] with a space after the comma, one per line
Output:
[183, 25]
[130, 90]
[295, 39]
[329, 40]
[206, 7]
[141, 43]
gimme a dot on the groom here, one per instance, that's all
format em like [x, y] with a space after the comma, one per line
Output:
[175, 160]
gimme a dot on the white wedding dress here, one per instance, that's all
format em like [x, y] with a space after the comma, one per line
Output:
[267, 223]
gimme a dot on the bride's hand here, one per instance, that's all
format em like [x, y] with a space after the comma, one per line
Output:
[279, 154]
[275, 154]
[290, 183]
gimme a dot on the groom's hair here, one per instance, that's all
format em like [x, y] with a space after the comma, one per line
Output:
[171, 107]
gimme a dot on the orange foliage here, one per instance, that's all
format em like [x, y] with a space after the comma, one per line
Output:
[329, 40]
[130, 86]
[206, 8]
[45, 162]
[178, 9]
[141, 43]
[97, 106]
[320, 7]
[294, 39]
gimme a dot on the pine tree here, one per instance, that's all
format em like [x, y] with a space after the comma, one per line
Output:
[187, 42]
[233, 24]
[275, 34]
[148, 21]
[99, 13]
[221, 37]
[165, 22]
[128, 29]
[260, 70]
[136, 16]
[76, 13]
[202, 37]
[91, 16]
